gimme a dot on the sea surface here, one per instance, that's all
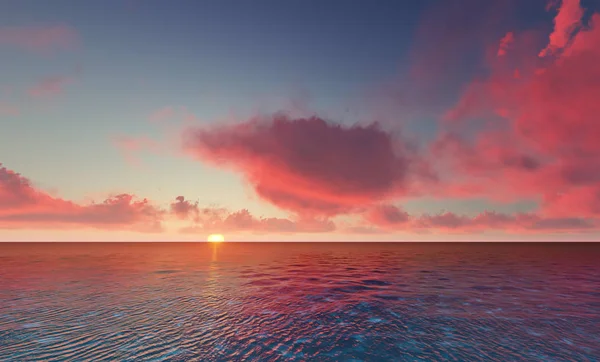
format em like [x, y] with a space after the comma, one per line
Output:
[299, 302]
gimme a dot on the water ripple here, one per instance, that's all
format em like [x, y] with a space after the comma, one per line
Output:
[299, 302]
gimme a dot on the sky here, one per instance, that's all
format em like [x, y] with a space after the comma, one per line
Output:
[300, 120]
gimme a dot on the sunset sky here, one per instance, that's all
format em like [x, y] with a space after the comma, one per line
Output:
[300, 120]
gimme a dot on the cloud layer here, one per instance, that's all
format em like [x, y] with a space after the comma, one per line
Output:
[24, 206]
[208, 220]
[391, 218]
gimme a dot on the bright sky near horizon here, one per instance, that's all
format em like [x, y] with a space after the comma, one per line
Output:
[299, 120]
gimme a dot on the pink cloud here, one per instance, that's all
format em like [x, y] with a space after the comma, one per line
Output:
[566, 22]
[40, 38]
[208, 220]
[537, 134]
[490, 165]
[309, 166]
[184, 209]
[394, 219]
[582, 200]
[50, 87]
[163, 115]
[169, 142]
[387, 215]
[132, 146]
[23, 206]
[505, 43]
[520, 223]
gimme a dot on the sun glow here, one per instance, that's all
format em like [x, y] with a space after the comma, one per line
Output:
[215, 238]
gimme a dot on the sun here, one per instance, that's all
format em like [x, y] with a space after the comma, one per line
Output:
[215, 238]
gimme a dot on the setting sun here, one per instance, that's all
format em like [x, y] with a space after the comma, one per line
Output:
[215, 238]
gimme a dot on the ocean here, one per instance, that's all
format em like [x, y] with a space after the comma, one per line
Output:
[299, 302]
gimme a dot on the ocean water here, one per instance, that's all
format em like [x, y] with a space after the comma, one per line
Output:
[299, 302]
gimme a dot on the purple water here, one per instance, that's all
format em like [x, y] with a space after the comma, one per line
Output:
[299, 302]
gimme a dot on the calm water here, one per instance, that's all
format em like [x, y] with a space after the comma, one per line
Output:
[315, 302]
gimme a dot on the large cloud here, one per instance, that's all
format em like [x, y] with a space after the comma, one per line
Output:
[309, 166]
